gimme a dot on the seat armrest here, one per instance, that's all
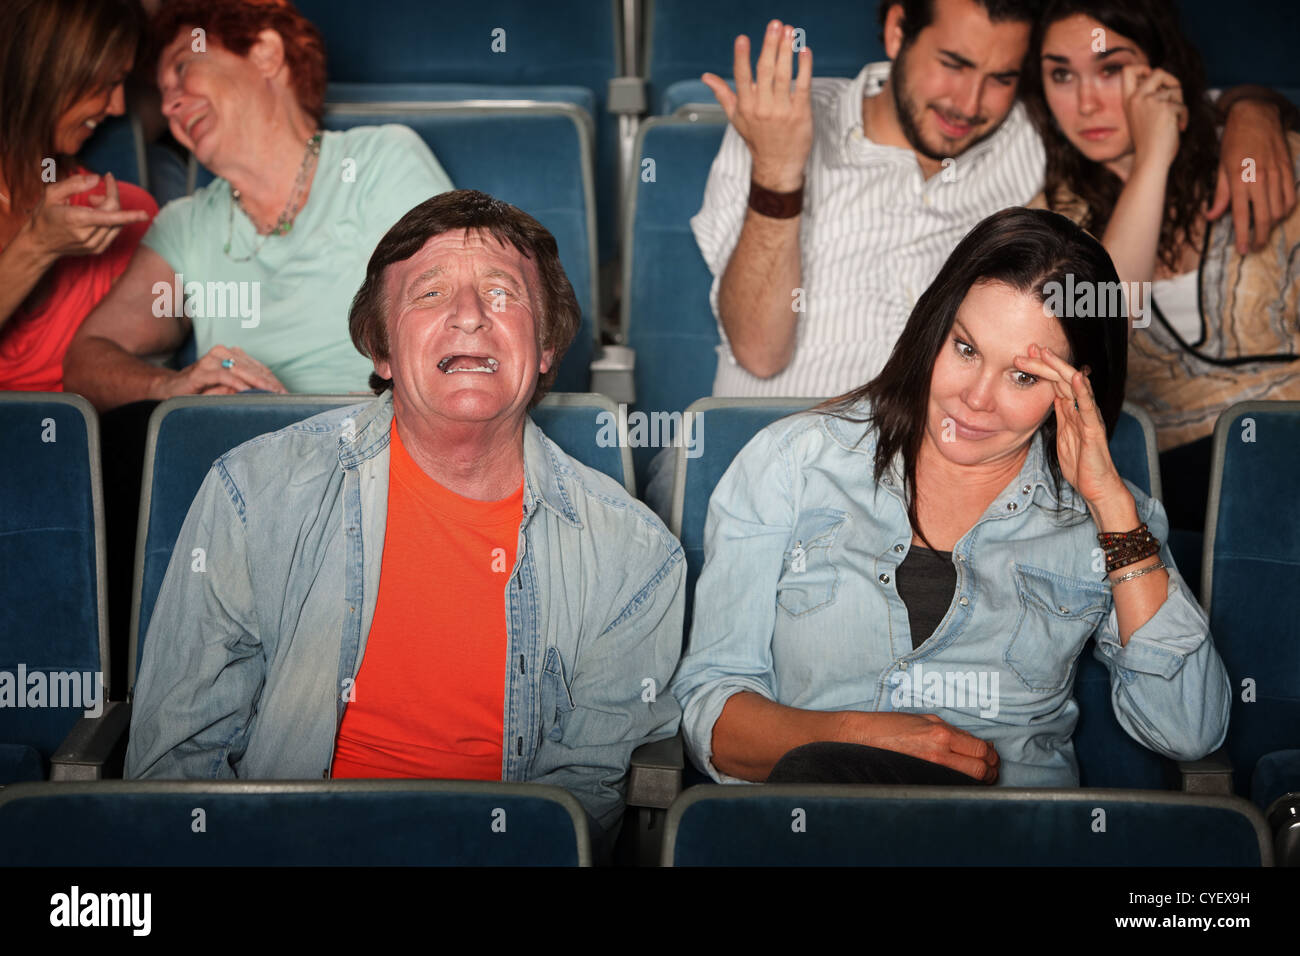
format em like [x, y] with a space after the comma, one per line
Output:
[626, 95]
[612, 373]
[1209, 775]
[95, 747]
[655, 778]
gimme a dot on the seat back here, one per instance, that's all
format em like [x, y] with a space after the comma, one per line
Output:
[334, 823]
[53, 618]
[684, 39]
[186, 435]
[117, 147]
[498, 43]
[839, 825]
[1251, 565]
[673, 332]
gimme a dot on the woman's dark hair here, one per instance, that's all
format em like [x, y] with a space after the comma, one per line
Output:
[1026, 250]
[1153, 26]
[54, 53]
[559, 316]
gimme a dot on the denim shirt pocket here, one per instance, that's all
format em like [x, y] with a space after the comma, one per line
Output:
[809, 577]
[557, 702]
[1057, 615]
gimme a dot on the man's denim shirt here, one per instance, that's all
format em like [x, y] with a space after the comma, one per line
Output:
[249, 664]
[798, 602]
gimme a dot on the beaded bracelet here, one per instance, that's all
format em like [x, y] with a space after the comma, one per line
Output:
[1123, 548]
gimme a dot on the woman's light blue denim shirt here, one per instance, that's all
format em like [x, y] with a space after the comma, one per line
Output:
[798, 602]
[250, 658]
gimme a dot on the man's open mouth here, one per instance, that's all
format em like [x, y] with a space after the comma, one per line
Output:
[463, 362]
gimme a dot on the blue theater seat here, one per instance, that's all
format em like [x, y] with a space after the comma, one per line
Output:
[186, 435]
[666, 316]
[317, 823]
[117, 147]
[1254, 46]
[837, 825]
[1251, 568]
[1108, 757]
[52, 589]
[684, 39]
[562, 43]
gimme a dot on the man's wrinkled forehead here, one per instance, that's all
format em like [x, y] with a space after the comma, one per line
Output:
[443, 253]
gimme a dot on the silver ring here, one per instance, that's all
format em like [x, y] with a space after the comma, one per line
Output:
[230, 363]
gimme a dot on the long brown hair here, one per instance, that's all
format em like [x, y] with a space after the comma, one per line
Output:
[1153, 26]
[1027, 250]
[52, 54]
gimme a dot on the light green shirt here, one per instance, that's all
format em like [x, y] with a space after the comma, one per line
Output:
[288, 307]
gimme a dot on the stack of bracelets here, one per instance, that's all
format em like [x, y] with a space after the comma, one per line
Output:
[1129, 547]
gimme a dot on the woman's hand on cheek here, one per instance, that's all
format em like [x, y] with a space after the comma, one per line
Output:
[1081, 445]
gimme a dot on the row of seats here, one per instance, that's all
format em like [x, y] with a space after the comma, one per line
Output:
[457, 823]
[53, 521]
[620, 60]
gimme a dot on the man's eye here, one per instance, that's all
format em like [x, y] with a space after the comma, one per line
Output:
[430, 293]
[497, 290]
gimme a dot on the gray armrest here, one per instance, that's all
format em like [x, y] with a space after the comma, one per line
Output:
[95, 747]
[611, 373]
[655, 778]
[626, 95]
[1209, 775]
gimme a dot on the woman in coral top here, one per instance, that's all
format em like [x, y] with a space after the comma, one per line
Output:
[65, 233]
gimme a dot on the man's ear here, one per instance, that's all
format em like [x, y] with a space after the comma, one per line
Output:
[544, 365]
[267, 53]
[893, 32]
[384, 368]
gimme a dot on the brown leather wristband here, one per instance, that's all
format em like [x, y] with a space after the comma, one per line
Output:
[775, 205]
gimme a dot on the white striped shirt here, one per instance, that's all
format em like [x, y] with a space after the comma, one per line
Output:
[874, 233]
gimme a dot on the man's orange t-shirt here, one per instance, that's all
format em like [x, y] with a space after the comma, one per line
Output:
[429, 699]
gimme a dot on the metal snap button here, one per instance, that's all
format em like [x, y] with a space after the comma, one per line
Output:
[884, 578]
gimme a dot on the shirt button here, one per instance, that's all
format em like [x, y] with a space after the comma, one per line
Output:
[1012, 506]
[898, 548]
[1063, 609]
[929, 201]
[902, 665]
[884, 578]
[961, 557]
[888, 480]
[1025, 490]
[964, 601]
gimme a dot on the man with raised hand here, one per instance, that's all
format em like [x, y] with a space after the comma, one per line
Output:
[833, 202]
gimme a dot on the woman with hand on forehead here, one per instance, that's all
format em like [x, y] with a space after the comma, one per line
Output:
[65, 233]
[1118, 93]
[898, 583]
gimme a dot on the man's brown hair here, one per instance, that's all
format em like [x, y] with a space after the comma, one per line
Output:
[558, 317]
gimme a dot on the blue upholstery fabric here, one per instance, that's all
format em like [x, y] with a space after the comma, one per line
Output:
[666, 282]
[49, 603]
[192, 436]
[1256, 565]
[111, 149]
[18, 762]
[561, 42]
[688, 93]
[1255, 48]
[1276, 774]
[876, 828]
[686, 38]
[427, 824]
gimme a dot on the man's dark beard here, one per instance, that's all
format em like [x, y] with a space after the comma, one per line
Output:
[907, 119]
